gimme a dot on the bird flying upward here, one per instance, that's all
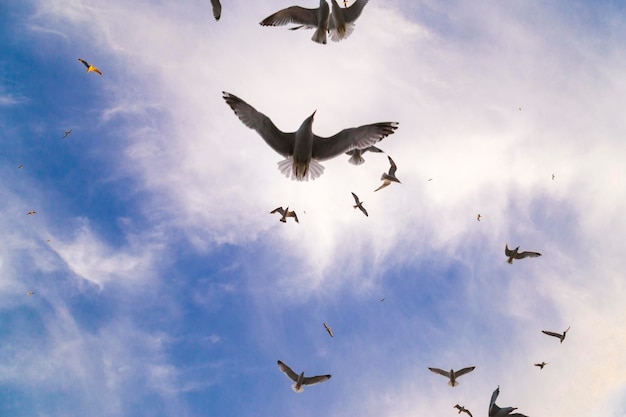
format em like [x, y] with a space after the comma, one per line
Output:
[285, 213]
[300, 380]
[356, 158]
[329, 330]
[303, 149]
[389, 177]
[217, 9]
[452, 375]
[557, 335]
[513, 254]
[495, 411]
[90, 68]
[359, 204]
[462, 409]
[307, 18]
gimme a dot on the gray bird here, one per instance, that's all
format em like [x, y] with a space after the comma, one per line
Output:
[452, 375]
[558, 335]
[217, 9]
[541, 365]
[389, 177]
[67, 132]
[359, 204]
[357, 159]
[303, 149]
[341, 24]
[285, 213]
[301, 380]
[462, 409]
[495, 411]
[307, 18]
[513, 254]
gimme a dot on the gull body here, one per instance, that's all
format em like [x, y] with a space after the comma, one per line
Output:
[495, 411]
[303, 149]
[514, 254]
[452, 375]
[66, 134]
[462, 409]
[285, 213]
[301, 380]
[307, 18]
[359, 204]
[341, 23]
[90, 68]
[389, 177]
[560, 336]
[356, 158]
[329, 330]
[217, 9]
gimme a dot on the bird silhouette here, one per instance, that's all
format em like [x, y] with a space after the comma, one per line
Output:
[217, 9]
[329, 330]
[303, 149]
[389, 177]
[560, 336]
[67, 132]
[285, 213]
[306, 18]
[301, 380]
[495, 411]
[453, 375]
[478, 217]
[541, 365]
[30, 293]
[462, 409]
[513, 254]
[30, 213]
[359, 204]
[90, 68]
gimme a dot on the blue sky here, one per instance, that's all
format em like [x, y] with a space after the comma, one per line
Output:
[163, 286]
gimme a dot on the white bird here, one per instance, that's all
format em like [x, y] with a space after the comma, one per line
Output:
[558, 335]
[329, 330]
[513, 254]
[285, 213]
[217, 9]
[359, 204]
[303, 149]
[341, 24]
[495, 411]
[389, 177]
[301, 380]
[452, 375]
[356, 158]
[306, 18]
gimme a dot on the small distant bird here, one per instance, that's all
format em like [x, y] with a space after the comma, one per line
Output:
[329, 330]
[20, 166]
[303, 149]
[478, 217]
[357, 159]
[430, 179]
[513, 254]
[90, 68]
[558, 335]
[67, 132]
[285, 213]
[389, 177]
[307, 18]
[359, 204]
[341, 23]
[301, 380]
[462, 409]
[382, 299]
[30, 293]
[30, 213]
[541, 365]
[552, 177]
[452, 375]
[495, 411]
[217, 9]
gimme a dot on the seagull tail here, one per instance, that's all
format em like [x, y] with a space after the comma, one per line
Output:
[510, 260]
[356, 159]
[297, 389]
[299, 172]
[453, 383]
[320, 35]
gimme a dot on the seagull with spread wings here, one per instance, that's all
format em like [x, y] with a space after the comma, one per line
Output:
[514, 254]
[300, 380]
[307, 18]
[462, 409]
[303, 149]
[356, 158]
[217, 9]
[541, 365]
[329, 330]
[495, 411]
[557, 335]
[453, 375]
[341, 24]
[90, 68]
[389, 177]
[67, 132]
[285, 213]
[359, 204]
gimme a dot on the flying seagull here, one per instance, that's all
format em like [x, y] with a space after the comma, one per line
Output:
[301, 380]
[559, 335]
[20, 166]
[495, 411]
[90, 68]
[513, 254]
[30, 293]
[462, 409]
[359, 204]
[356, 158]
[285, 213]
[217, 9]
[478, 217]
[306, 18]
[67, 132]
[452, 374]
[390, 177]
[329, 330]
[541, 365]
[303, 149]
[30, 213]
[341, 23]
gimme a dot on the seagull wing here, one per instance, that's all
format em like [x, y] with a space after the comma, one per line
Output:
[294, 14]
[348, 139]
[96, 70]
[312, 380]
[364, 211]
[287, 371]
[468, 412]
[217, 9]
[356, 199]
[353, 12]
[493, 408]
[507, 251]
[440, 372]
[464, 371]
[393, 168]
[278, 209]
[281, 142]
[527, 254]
[559, 335]
[374, 149]
[294, 215]
[85, 63]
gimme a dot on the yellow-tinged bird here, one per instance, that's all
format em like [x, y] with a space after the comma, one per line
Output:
[90, 68]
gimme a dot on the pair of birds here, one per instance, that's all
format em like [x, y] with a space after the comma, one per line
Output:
[339, 23]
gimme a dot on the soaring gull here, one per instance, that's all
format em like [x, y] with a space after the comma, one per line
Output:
[389, 177]
[306, 18]
[558, 335]
[452, 375]
[217, 9]
[341, 24]
[359, 204]
[285, 213]
[513, 254]
[356, 158]
[90, 68]
[301, 380]
[462, 409]
[67, 132]
[541, 365]
[328, 329]
[495, 411]
[303, 149]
